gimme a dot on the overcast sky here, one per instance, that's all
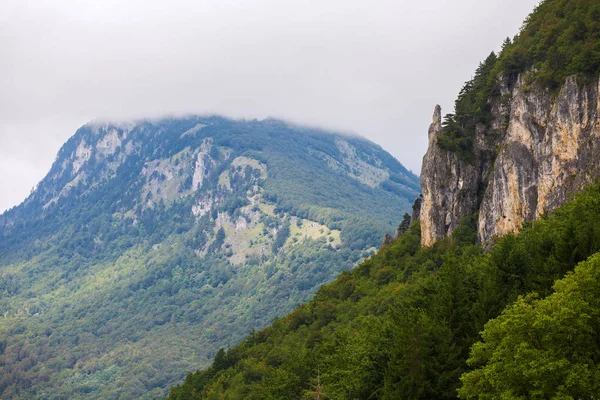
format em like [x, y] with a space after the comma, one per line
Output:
[375, 68]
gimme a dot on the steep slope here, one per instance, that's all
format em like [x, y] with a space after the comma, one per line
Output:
[151, 244]
[511, 162]
[547, 348]
[526, 130]
[401, 325]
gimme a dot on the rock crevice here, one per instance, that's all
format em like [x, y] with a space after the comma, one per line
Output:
[548, 151]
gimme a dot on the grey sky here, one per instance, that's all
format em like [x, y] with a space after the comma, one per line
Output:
[376, 68]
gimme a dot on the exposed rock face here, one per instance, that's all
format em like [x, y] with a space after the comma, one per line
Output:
[416, 209]
[203, 164]
[449, 188]
[358, 168]
[549, 150]
[387, 239]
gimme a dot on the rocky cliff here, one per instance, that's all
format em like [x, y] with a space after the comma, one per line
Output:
[539, 148]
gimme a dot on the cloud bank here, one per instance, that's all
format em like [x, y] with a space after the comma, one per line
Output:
[375, 68]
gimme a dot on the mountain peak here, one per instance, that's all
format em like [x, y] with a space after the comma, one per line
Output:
[195, 228]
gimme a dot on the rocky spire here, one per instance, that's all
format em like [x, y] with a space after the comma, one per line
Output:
[436, 123]
[449, 187]
[387, 239]
[416, 209]
[537, 149]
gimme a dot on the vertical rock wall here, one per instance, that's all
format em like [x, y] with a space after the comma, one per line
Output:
[549, 150]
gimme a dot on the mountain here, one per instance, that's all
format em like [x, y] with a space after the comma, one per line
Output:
[492, 292]
[403, 324]
[151, 244]
[524, 136]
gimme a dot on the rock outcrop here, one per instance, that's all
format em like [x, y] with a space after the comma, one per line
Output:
[387, 239]
[539, 149]
[416, 209]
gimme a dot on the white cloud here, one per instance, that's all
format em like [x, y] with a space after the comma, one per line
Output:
[376, 68]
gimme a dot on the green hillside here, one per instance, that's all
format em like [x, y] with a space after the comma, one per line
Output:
[151, 244]
[402, 324]
[407, 323]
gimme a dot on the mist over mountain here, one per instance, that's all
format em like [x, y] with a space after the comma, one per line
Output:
[151, 244]
[493, 292]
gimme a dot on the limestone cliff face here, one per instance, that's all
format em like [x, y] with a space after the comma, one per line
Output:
[451, 187]
[539, 149]
[448, 187]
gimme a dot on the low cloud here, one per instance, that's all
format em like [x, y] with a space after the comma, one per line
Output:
[374, 68]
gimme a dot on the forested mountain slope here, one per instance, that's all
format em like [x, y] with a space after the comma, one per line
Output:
[506, 170]
[401, 325]
[151, 244]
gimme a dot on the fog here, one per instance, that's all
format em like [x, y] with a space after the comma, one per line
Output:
[375, 68]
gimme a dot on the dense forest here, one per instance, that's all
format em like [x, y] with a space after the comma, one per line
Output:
[559, 38]
[405, 324]
[516, 320]
[150, 245]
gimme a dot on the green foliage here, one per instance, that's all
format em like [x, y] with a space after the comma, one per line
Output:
[472, 107]
[558, 39]
[405, 224]
[112, 291]
[542, 348]
[282, 235]
[401, 324]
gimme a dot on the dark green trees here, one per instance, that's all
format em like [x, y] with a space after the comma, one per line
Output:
[558, 39]
[472, 107]
[542, 348]
[403, 323]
